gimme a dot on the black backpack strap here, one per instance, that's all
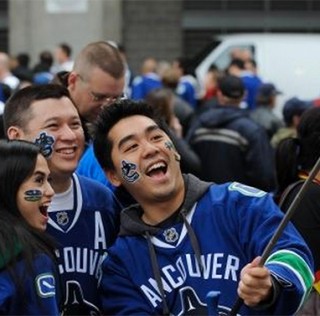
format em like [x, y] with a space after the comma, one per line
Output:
[287, 191]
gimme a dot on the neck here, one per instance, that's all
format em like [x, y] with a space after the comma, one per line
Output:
[60, 185]
[156, 212]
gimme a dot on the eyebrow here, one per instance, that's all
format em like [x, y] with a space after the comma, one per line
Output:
[127, 138]
[58, 118]
[39, 173]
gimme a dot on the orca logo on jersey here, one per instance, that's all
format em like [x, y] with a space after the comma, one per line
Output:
[62, 218]
[171, 235]
[75, 303]
[190, 303]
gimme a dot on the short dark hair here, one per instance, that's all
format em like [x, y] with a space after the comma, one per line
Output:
[111, 115]
[17, 108]
[66, 48]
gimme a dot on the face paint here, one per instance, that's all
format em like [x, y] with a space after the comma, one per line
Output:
[45, 142]
[129, 172]
[33, 195]
[170, 146]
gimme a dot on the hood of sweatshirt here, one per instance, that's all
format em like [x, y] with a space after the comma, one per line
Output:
[221, 116]
[131, 223]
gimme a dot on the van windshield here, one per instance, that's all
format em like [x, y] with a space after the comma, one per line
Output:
[223, 60]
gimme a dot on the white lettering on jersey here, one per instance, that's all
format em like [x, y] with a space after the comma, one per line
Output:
[215, 266]
[81, 260]
[100, 236]
[152, 296]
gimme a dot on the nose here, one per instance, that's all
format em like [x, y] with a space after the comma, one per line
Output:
[67, 133]
[49, 192]
[149, 149]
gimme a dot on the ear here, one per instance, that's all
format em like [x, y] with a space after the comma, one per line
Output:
[14, 132]
[72, 78]
[113, 177]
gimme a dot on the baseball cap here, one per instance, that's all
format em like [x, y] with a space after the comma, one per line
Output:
[266, 90]
[294, 106]
[231, 86]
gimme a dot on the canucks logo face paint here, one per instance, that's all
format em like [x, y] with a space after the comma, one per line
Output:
[129, 172]
[45, 142]
[33, 195]
[169, 145]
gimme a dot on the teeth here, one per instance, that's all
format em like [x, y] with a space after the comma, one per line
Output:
[66, 151]
[157, 165]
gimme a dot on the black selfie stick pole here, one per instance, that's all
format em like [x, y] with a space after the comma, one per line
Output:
[266, 253]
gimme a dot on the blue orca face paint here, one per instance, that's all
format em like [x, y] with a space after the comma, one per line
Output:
[129, 172]
[45, 142]
[33, 195]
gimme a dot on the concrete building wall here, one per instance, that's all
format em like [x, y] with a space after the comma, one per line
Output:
[35, 25]
[152, 28]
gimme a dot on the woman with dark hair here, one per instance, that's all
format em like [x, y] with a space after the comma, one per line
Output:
[27, 267]
[295, 158]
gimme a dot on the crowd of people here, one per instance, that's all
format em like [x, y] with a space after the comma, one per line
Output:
[127, 194]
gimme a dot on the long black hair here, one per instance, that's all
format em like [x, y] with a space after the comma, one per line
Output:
[301, 153]
[18, 240]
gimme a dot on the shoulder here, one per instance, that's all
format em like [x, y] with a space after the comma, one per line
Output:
[238, 197]
[93, 192]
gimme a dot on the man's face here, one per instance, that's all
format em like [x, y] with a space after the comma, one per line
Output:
[90, 92]
[145, 161]
[55, 125]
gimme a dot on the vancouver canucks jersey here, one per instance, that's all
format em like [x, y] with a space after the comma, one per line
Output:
[39, 289]
[83, 233]
[233, 224]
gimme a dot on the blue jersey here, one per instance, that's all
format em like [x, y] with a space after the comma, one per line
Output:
[83, 234]
[39, 289]
[187, 91]
[89, 167]
[233, 224]
[142, 85]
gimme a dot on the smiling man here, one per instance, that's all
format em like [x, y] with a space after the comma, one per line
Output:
[82, 216]
[187, 237]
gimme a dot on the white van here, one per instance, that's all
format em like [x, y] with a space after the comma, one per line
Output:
[290, 61]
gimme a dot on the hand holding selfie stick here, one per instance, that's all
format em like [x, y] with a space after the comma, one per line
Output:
[237, 305]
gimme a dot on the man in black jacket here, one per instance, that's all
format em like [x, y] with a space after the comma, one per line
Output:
[231, 146]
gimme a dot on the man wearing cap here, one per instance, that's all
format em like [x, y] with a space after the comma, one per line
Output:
[231, 146]
[292, 111]
[266, 100]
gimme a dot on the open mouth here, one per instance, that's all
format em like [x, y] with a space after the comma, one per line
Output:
[158, 169]
[44, 210]
[66, 151]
